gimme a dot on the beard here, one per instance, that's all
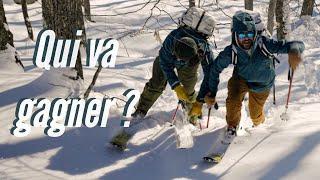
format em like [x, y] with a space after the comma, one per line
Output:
[246, 44]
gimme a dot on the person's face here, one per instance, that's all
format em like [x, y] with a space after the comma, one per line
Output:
[245, 39]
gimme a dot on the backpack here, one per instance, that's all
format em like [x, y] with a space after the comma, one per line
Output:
[198, 20]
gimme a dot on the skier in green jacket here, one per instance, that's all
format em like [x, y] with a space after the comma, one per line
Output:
[183, 50]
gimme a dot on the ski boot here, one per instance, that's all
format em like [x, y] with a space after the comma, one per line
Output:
[120, 141]
[230, 134]
[193, 120]
[138, 114]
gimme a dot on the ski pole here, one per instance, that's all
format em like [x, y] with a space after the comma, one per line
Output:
[290, 85]
[274, 83]
[174, 114]
[200, 126]
[209, 112]
[274, 94]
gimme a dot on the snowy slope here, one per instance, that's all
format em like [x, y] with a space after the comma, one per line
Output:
[280, 150]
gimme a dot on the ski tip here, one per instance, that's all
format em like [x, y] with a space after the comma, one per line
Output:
[215, 159]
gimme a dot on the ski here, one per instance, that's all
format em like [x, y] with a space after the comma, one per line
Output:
[219, 148]
[122, 138]
[217, 153]
[214, 158]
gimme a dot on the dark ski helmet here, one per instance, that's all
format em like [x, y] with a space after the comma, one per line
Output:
[243, 21]
[185, 48]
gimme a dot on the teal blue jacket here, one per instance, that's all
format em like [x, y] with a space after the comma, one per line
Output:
[256, 69]
[168, 61]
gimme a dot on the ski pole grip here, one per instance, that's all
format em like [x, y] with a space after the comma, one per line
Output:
[216, 106]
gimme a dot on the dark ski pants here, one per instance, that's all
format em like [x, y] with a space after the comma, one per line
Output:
[237, 89]
[156, 85]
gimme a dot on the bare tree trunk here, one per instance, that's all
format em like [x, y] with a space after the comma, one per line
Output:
[248, 4]
[6, 37]
[281, 18]
[47, 14]
[64, 17]
[26, 18]
[271, 11]
[307, 8]
[87, 11]
[192, 3]
[2, 13]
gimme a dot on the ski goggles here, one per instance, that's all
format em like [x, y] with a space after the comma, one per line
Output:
[243, 35]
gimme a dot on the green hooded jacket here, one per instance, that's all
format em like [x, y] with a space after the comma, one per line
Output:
[256, 69]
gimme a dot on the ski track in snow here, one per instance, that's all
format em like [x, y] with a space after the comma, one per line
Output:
[279, 150]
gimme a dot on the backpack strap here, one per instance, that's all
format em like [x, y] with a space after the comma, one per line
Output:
[200, 20]
[234, 55]
[266, 52]
[263, 48]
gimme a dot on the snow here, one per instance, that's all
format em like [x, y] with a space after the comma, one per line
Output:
[277, 150]
[8, 64]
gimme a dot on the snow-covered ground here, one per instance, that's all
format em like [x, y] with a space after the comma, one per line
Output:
[279, 150]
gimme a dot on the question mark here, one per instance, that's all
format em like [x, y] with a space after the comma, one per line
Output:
[133, 97]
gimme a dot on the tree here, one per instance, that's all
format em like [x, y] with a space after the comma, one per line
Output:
[248, 4]
[6, 37]
[26, 18]
[271, 11]
[192, 3]
[87, 11]
[64, 17]
[282, 8]
[28, 1]
[47, 14]
[307, 8]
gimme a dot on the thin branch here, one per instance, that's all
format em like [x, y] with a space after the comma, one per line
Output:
[161, 10]
[130, 12]
[223, 11]
[93, 82]
[182, 4]
[151, 14]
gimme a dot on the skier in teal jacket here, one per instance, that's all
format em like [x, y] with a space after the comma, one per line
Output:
[253, 71]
